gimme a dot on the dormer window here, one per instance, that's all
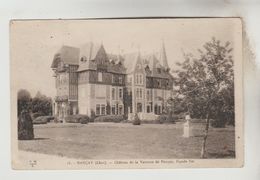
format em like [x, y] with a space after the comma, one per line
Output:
[147, 68]
[83, 59]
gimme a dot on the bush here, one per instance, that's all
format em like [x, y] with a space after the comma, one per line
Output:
[162, 118]
[35, 115]
[84, 120]
[49, 118]
[167, 119]
[150, 122]
[25, 126]
[76, 118]
[110, 118]
[40, 120]
[92, 116]
[218, 123]
[136, 120]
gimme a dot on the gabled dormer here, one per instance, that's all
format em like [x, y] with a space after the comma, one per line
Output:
[139, 71]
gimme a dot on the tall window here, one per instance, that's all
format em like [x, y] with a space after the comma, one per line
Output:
[139, 79]
[120, 93]
[139, 93]
[113, 78]
[100, 109]
[113, 93]
[103, 109]
[129, 91]
[120, 109]
[148, 110]
[120, 79]
[113, 109]
[97, 109]
[99, 76]
[129, 80]
[159, 109]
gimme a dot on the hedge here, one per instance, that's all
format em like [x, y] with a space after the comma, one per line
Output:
[109, 118]
[218, 123]
[167, 119]
[77, 118]
[35, 115]
[40, 120]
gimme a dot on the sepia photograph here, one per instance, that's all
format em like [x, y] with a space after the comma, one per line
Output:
[126, 93]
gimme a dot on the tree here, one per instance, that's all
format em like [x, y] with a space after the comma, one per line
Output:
[205, 85]
[170, 110]
[23, 101]
[41, 104]
[25, 125]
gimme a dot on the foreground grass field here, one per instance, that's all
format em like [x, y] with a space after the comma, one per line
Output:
[125, 141]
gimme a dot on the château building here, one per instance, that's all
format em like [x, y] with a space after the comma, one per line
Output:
[93, 82]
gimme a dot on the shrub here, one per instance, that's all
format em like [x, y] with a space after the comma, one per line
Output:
[110, 118]
[218, 123]
[136, 120]
[84, 120]
[162, 118]
[92, 116]
[35, 115]
[49, 118]
[150, 122]
[76, 118]
[25, 126]
[167, 118]
[40, 120]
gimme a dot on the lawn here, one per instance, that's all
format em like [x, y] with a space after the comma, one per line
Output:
[126, 141]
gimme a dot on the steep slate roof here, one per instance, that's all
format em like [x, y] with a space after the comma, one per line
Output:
[88, 61]
[163, 58]
[88, 53]
[85, 57]
[149, 62]
[115, 58]
[89, 50]
[67, 54]
[130, 61]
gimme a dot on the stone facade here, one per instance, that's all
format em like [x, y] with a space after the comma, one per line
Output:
[91, 81]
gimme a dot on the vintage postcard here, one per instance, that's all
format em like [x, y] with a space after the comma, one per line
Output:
[127, 93]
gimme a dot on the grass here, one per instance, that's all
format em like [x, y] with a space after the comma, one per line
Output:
[125, 141]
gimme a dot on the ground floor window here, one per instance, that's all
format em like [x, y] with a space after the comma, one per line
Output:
[103, 109]
[100, 109]
[120, 109]
[148, 108]
[157, 109]
[113, 109]
[139, 107]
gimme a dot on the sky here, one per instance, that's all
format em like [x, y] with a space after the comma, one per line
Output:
[34, 43]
